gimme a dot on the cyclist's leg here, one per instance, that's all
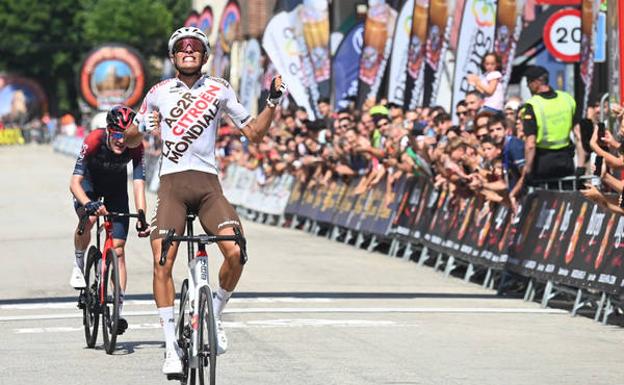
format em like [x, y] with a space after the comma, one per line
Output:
[218, 217]
[81, 242]
[117, 201]
[170, 213]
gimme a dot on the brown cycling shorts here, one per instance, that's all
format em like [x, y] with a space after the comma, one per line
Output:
[193, 191]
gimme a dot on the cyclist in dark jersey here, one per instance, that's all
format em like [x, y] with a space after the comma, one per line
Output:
[101, 172]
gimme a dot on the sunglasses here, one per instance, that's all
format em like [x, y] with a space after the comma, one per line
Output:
[116, 135]
[182, 45]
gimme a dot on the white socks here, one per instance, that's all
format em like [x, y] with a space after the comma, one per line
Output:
[121, 301]
[221, 297]
[79, 260]
[167, 321]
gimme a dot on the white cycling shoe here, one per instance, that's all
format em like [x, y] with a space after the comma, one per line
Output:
[173, 362]
[222, 341]
[77, 280]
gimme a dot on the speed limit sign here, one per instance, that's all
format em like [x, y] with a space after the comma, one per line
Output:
[562, 35]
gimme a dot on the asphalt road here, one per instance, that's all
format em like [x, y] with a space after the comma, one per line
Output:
[307, 311]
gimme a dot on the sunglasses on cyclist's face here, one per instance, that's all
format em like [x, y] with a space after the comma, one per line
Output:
[182, 45]
[116, 135]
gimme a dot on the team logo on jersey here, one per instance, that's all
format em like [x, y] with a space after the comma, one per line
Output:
[188, 119]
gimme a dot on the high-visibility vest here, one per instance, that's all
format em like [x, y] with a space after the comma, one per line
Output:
[554, 120]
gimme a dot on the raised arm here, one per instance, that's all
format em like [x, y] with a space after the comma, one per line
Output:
[257, 128]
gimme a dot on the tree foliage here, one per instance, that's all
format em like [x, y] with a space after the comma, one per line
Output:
[47, 39]
[142, 24]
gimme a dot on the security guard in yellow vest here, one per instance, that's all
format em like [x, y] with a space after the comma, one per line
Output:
[548, 119]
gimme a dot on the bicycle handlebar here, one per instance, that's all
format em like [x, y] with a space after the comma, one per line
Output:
[111, 214]
[204, 239]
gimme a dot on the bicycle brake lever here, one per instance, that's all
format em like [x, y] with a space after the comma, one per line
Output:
[242, 243]
[166, 243]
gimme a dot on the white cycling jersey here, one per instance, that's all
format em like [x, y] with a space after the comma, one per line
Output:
[189, 121]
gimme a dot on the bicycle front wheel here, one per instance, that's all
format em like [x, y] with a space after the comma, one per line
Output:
[91, 309]
[184, 333]
[110, 311]
[207, 341]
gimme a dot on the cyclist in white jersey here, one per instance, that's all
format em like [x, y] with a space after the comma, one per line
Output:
[189, 108]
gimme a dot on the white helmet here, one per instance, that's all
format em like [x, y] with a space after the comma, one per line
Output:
[188, 32]
[98, 121]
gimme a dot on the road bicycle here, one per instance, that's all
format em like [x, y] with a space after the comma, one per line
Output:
[196, 324]
[101, 293]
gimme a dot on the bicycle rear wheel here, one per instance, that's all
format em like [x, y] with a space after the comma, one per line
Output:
[91, 309]
[110, 311]
[207, 341]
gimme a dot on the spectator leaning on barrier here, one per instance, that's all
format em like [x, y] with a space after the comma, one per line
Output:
[548, 118]
[602, 147]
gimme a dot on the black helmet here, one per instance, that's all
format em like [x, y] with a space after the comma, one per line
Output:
[119, 118]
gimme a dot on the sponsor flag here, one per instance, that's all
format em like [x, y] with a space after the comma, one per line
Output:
[476, 39]
[508, 29]
[298, 37]
[438, 36]
[378, 33]
[346, 66]
[416, 55]
[589, 15]
[280, 43]
[251, 77]
[398, 60]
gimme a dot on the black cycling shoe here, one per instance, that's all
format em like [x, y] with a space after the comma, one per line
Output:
[122, 325]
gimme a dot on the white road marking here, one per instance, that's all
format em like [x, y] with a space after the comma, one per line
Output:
[73, 305]
[278, 323]
[315, 310]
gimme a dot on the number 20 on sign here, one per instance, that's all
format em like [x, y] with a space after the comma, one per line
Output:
[562, 35]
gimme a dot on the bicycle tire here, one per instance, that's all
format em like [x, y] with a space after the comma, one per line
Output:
[110, 312]
[184, 334]
[207, 338]
[91, 309]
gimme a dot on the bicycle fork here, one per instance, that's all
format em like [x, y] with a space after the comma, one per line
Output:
[198, 273]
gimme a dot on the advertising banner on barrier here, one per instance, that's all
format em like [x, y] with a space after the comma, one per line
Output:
[565, 238]
[557, 236]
